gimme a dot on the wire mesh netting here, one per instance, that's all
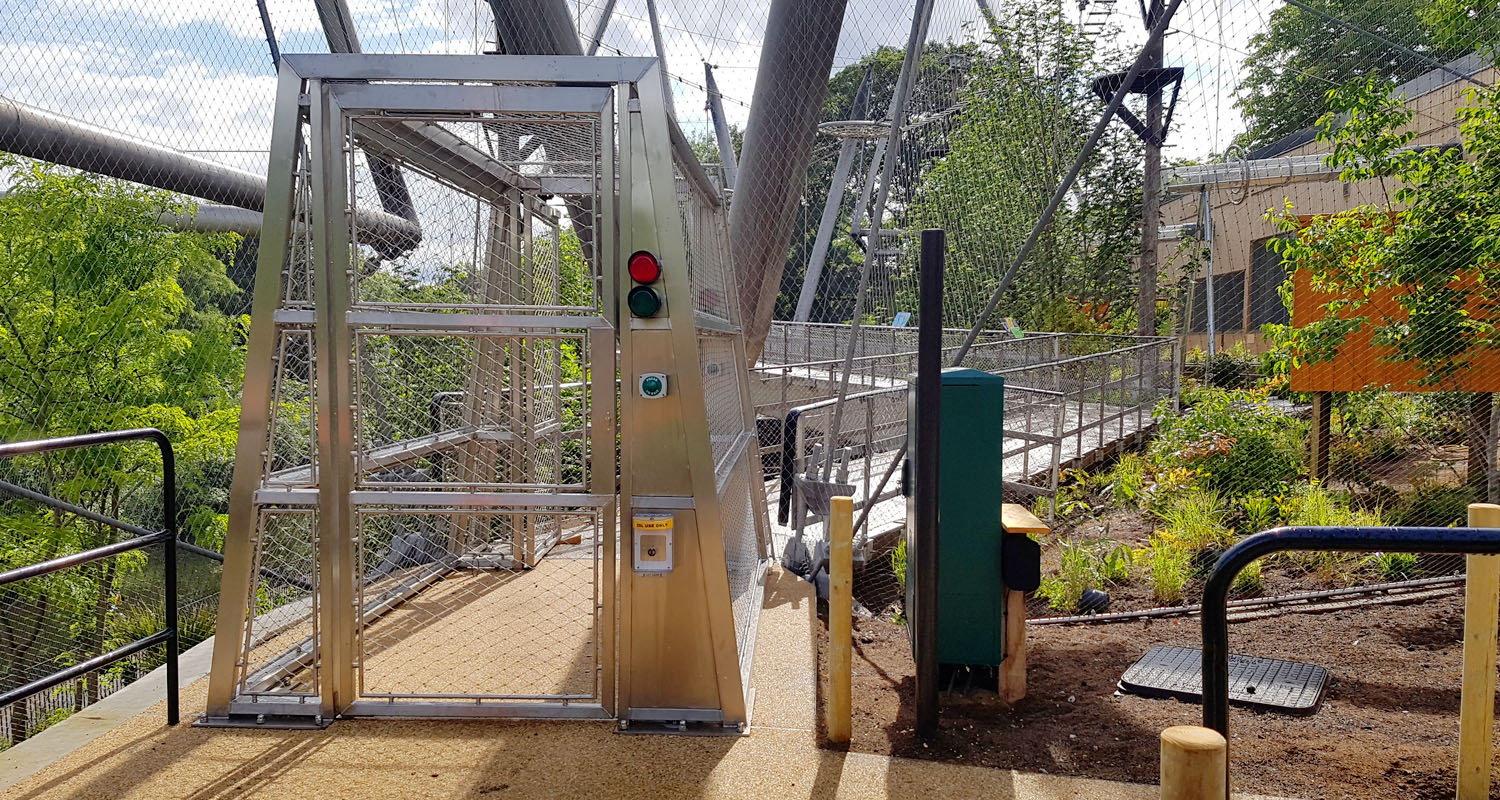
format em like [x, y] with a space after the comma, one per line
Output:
[1303, 184]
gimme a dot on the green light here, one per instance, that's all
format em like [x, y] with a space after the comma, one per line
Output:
[643, 301]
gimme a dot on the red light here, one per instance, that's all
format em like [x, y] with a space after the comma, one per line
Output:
[644, 267]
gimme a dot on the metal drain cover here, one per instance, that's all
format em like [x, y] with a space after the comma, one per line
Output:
[1269, 683]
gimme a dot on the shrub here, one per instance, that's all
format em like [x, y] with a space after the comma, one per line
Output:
[1127, 481]
[1170, 565]
[1248, 582]
[1074, 575]
[1235, 440]
[1260, 513]
[898, 564]
[1195, 520]
[1434, 505]
[1085, 566]
[1396, 566]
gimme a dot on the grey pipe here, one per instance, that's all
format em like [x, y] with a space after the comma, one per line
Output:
[34, 133]
[790, 85]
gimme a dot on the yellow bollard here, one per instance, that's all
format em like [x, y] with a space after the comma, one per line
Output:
[1476, 710]
[840, 612]
[1194, 764]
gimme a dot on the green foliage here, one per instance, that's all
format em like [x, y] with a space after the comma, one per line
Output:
[1195, 520]
[1433, 237]
[1260, 513]
[1084, 566]
[1127, 481]
[1169, 565]
[1074, 575]
[1396, 566]
[108, 319]
[1434, 505]
[1235, 441]
[1300, 53]
[1027, 104]
[898, 564]
[1248, 582]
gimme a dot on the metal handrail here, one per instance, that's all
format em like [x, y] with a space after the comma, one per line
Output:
[143, 538]
[1349, 539]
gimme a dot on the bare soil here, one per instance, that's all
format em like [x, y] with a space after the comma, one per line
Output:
[1387, 729]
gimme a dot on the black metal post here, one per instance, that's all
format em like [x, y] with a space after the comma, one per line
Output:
[925, 537]
[169, 506]
[1346, 539]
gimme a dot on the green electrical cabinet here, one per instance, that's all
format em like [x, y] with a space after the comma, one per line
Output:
[971, 591]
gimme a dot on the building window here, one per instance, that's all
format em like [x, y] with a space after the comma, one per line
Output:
[1229, 304]
[1267, 273]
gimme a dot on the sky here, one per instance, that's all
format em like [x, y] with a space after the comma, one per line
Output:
[197, 76]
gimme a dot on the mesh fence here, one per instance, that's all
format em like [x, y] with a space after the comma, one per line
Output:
[1312, 342]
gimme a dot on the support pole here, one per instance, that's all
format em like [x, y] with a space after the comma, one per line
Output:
[1042, 223]
[925, 537]
[1158, 32]
[1321, 435]
[920, 15]
[1479, 440]
[1476, 712]
[790, 85]
[721, 127]
[831, 206]
[1194, 764]
[1208, 273]
[1151, 193]
[661, 55]
[597, 38]
[839, 723]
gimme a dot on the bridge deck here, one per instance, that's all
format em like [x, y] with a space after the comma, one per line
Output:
[1088, 435]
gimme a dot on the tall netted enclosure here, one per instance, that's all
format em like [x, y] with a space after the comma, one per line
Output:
[428, 450]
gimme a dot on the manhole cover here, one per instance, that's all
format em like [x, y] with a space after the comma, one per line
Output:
[1269, 683]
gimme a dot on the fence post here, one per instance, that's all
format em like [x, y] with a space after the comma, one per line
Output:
[1194, 764]
[840, 613]
[1476, 715]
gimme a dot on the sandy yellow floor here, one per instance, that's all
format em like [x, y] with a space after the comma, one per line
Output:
[445, 759]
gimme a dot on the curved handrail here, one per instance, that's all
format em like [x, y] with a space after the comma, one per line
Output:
[1349, 539]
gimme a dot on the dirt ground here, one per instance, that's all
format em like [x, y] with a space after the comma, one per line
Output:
[1387, 729]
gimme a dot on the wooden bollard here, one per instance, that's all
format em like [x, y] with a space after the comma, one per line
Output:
[1476, 710]
[1194, 764]
[840, 614]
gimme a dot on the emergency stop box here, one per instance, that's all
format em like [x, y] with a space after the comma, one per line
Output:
[972, 547]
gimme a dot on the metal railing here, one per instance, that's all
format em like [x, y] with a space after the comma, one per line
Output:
[142, 538]
[1347, 539]
[1070, 399]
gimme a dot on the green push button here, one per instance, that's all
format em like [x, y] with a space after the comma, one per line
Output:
[653, 385]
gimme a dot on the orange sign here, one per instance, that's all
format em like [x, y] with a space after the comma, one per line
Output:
[1361, 364]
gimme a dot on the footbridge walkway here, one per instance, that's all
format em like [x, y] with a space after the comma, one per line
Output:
[1071, 400]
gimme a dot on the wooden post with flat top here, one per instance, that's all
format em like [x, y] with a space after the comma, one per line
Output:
[839, 723]
[1194, 764]
[1016, 520]
[1476, 710]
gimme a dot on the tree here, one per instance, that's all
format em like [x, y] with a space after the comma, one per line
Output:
[108, 319]
[1434, 237]
[1302, 54]
[1027, 104]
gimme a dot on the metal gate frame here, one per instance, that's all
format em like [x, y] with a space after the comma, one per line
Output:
[705, 679]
